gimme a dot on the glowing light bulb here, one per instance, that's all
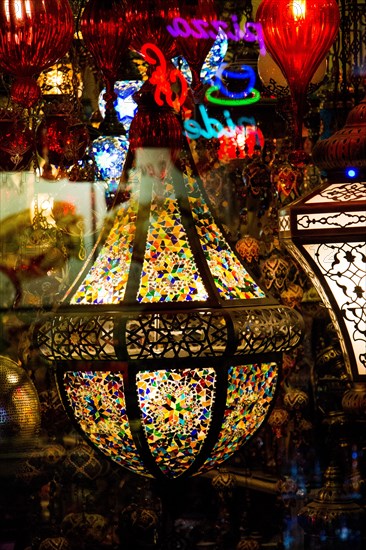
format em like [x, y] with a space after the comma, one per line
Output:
[7, 10]
[28, 8]
[351, 172]
[42, 205]
[298, 8]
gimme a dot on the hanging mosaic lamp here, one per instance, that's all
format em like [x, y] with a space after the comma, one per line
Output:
[124, 103]
[109, 155]
[167, 350]
[211, 63]
[107, 36]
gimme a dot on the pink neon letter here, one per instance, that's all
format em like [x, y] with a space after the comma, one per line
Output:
[216, 25]
[199, 23]
[251, 36]
[176, 31]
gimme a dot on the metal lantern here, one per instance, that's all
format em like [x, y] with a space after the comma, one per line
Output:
[326, 229]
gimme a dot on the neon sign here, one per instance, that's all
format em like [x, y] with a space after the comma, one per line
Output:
[251, 32]
[238, 98]
[246, 73]
[162, 79]
[213, 127]
[231, 102]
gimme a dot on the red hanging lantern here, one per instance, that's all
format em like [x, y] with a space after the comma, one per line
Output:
[194, 49]
[34, 35]
[16, 143]
[156, 136]
[158, 128]
[148, 21]
[106, 35]
[298, 35]
[61, 140]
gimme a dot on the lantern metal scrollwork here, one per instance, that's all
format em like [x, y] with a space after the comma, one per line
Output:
[326, 229]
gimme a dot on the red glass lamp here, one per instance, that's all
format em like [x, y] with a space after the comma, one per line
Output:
[298, 35]
[148, 21]
[194, 49]
[33, 36]
[106, 34]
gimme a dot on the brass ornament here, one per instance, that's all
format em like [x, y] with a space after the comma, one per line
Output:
[248, 248]
[295, 399]
[55, 543]
[347, 147]
[332, 509]
[292, 295]
[224, 483]
[354, 400]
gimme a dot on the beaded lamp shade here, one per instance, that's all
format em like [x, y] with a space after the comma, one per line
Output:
[326, 232]
[167, 350]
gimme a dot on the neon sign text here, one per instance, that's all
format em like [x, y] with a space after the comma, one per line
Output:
[213, 127]
[162, 78]
[245, 97]
[198, 28]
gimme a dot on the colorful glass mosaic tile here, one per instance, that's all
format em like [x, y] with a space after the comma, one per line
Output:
[98, 403]
[169, 272]
[106, 281]
[231, 278]
[176, 411]
[250, 392]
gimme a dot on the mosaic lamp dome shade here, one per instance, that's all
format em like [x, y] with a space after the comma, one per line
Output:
[167, 350]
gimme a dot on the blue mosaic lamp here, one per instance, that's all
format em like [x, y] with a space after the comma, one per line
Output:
[213, 60]
[167, 349]
[124, 104]
[109, 153]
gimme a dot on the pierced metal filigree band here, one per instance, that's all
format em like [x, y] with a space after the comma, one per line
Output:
[128, 336]
[339, 220]
[344, 192]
